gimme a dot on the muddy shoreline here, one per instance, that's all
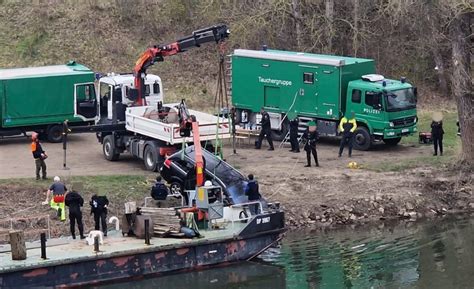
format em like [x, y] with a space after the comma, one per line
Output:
[438, 197]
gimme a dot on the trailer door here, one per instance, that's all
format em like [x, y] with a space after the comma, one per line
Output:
[307, 101]
[85, 101]
[271, 96]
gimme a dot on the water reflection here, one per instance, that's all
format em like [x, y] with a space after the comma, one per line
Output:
[248, 275]
[435, 254]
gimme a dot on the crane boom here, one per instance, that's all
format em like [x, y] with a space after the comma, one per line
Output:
[216, 33]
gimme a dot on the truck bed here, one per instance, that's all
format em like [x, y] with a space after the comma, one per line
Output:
[144, 120]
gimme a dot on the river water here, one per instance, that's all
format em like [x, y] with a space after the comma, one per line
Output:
[435, 254]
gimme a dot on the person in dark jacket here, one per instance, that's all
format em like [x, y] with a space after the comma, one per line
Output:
[39, 155]
[347, 127]
[311, 136]
[437, 136]
[159, 191]
[251, 190]
[74, 201]
[266, 131]
[294, 123]
[99, 206]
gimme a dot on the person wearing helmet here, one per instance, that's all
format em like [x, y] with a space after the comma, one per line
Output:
[59, 191]
[39, 155]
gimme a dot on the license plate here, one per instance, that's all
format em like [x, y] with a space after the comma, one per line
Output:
[405, 130]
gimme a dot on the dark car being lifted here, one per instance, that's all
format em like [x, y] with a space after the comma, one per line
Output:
[179, 171]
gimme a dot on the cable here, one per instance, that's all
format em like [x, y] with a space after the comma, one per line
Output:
[289, 109]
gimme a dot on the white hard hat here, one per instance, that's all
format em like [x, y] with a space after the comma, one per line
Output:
[56, 179]
[207, 183]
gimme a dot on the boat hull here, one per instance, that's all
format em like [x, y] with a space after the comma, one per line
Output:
[100, 269]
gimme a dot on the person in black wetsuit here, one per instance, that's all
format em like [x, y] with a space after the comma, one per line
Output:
[311, 135]
[251, 190]
[74, 201]
[99, 206]
[294, 122]
[266, 131]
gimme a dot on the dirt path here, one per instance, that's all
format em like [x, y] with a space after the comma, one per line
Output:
[84, 157]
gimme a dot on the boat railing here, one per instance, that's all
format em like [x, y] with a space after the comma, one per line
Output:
[30, 225]
[248, 214]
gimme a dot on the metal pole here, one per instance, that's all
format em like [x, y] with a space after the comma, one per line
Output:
[232, 125]
[49, 228]
[43, 246]
[147, 232]
[65, 132]
[96, 244]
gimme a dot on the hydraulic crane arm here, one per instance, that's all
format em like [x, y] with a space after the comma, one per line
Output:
[156, 53]
[198, 155]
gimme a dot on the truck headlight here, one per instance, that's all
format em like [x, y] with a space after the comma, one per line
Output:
[391, 124]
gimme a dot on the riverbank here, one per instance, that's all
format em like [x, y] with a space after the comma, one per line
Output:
[404, 181]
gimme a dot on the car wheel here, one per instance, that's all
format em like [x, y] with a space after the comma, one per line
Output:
[362, 139]
[55, 133]
[176, 188]
[108, 148]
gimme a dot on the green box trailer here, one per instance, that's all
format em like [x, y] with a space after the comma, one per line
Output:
[322, 88]
[41, 98]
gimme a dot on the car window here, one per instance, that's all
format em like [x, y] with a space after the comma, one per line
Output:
[233, 181]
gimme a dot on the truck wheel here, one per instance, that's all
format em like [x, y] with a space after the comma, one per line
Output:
[279, 135]
[150, 158]
[54, 133]
[108, 148]
[362, 139]
[392, 141]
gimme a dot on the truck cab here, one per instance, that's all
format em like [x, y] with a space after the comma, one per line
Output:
[115, 95]
[385, 109]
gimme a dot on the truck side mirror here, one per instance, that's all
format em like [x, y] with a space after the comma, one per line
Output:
[415, 93]
[133, 94]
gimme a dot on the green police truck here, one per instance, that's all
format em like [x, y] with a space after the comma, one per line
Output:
[322, 88]
[41, 98]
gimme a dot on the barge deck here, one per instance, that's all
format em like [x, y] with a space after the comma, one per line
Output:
[74, 263]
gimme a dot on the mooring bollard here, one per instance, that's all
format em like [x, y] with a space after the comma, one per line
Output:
[147, 232]
[43, 246]
[96, 244]
[18, 245]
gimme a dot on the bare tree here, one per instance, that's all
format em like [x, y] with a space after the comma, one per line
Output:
[460, 32]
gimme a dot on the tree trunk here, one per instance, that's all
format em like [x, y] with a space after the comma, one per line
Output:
[460, 31]
[295, 6]
[330, 20]
[441, 70]
[355, 35]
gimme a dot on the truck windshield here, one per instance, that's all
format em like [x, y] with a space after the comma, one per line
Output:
[402, 99]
